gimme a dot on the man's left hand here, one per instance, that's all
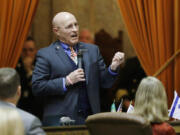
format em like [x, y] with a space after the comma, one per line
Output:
[117, 60]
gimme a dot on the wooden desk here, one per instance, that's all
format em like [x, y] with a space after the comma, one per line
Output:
[82, 130]
[67, 130]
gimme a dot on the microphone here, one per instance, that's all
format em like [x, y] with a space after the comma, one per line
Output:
[80, 52]
[80, 58]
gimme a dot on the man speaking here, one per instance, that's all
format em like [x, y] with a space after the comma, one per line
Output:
[71, 92]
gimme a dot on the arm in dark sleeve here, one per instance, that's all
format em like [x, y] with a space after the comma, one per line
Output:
[107, 78]
[42, 83]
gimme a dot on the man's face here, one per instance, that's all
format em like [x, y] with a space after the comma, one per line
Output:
[68, 30]
[29, 49]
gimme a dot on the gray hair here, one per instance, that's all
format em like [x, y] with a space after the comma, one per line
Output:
[151, 100]
[9, 82]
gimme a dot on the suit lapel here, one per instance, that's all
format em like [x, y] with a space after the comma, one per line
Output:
[62, 55]
[66, 60]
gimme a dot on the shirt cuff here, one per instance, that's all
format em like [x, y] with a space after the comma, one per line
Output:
[64, 84]
[112, 72]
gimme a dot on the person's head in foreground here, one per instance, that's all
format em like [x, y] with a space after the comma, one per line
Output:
[10, 89]
[151, 100]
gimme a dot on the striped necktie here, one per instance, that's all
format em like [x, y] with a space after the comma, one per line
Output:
[73, 55]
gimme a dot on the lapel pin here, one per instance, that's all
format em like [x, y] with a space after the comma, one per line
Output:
[57, 47]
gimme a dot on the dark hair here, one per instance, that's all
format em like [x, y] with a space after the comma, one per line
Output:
[9, 82]
[29, 38]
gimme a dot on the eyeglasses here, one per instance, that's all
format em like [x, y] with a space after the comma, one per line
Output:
[28, 49]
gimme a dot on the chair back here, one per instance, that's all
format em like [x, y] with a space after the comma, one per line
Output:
[116, 123]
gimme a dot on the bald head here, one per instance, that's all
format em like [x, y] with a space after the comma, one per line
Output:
[61, 17]
[86, 36]
[66, 28]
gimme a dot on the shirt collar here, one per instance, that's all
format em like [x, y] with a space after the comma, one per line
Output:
[8, 103]
[66, 46]
[11, 104]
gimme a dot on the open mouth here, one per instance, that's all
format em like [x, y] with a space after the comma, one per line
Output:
[74, 35]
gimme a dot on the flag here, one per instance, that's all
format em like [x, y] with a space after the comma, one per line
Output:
[113, 107]
[175, 107]
[120, 106]
[130, 108]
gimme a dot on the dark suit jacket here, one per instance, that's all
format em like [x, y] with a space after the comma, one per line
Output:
[32, 124]
[53, 64]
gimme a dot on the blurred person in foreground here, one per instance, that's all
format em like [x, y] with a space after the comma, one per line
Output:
[25, 67]
[10, 122]
[10, 92]
[71, 91]
[86, 36]
[151, 103]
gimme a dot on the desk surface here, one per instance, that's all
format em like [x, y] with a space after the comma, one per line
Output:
[72, 127]
[67, 130]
